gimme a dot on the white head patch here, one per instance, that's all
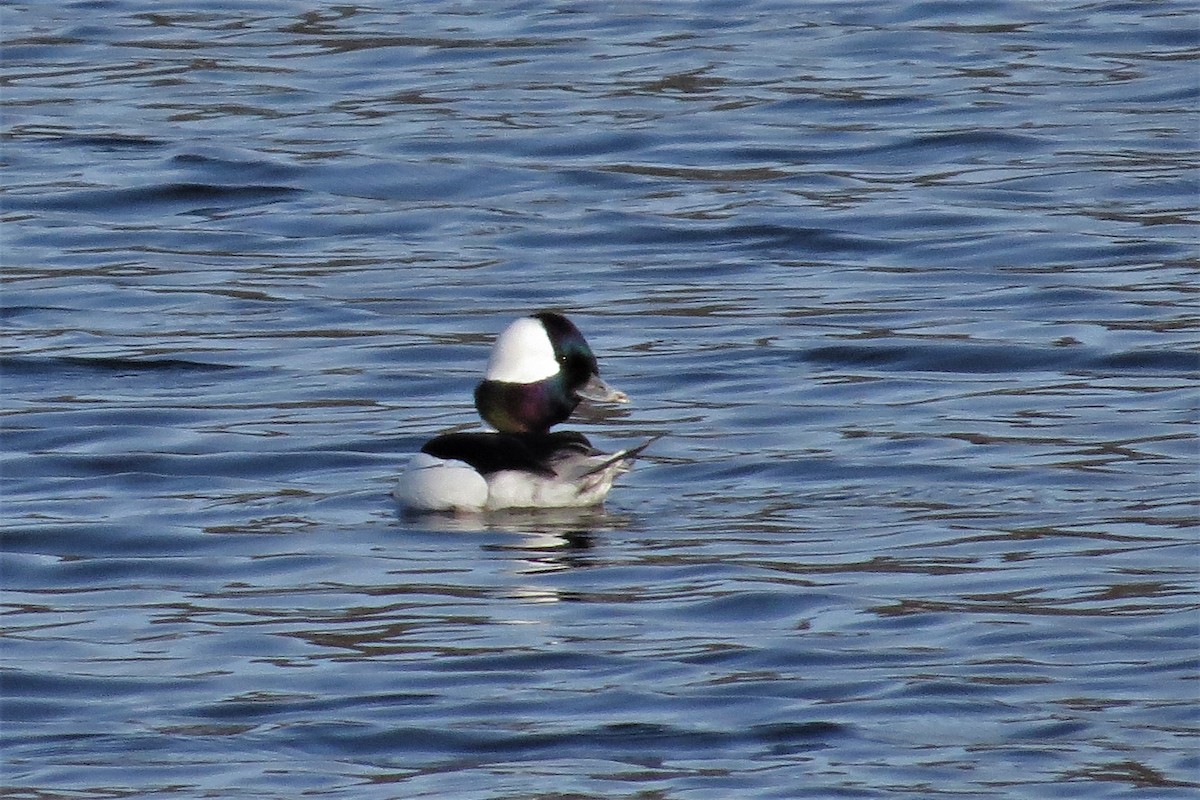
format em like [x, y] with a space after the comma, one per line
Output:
[522, 354]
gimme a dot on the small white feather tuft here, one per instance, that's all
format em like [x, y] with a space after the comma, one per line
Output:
[523, 353]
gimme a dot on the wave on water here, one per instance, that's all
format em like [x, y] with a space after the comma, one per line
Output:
[55, 365]
[998, 358]
[135, 199]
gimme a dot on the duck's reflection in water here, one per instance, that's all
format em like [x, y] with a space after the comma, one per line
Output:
[542, 540]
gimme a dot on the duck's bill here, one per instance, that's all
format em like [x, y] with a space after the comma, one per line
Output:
[599, 391]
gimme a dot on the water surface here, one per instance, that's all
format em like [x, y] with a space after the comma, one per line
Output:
[909, 288]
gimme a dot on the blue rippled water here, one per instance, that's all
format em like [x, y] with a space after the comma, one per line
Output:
[909, 289]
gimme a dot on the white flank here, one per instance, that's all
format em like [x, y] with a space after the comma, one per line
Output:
[435, 484]
[522, 354]
[578, 483]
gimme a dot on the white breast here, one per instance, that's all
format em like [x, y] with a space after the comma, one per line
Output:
[435, 484]
[522, 354]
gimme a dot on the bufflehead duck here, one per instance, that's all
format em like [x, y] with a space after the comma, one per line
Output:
[540, 369]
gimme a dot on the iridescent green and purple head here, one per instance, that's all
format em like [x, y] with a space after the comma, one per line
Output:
[541, 368]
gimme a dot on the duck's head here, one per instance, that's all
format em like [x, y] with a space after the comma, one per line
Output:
[541, 368]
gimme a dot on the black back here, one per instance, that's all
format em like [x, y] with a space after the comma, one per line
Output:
[493, 452]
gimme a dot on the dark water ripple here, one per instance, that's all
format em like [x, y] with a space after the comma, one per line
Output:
[910, 289]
